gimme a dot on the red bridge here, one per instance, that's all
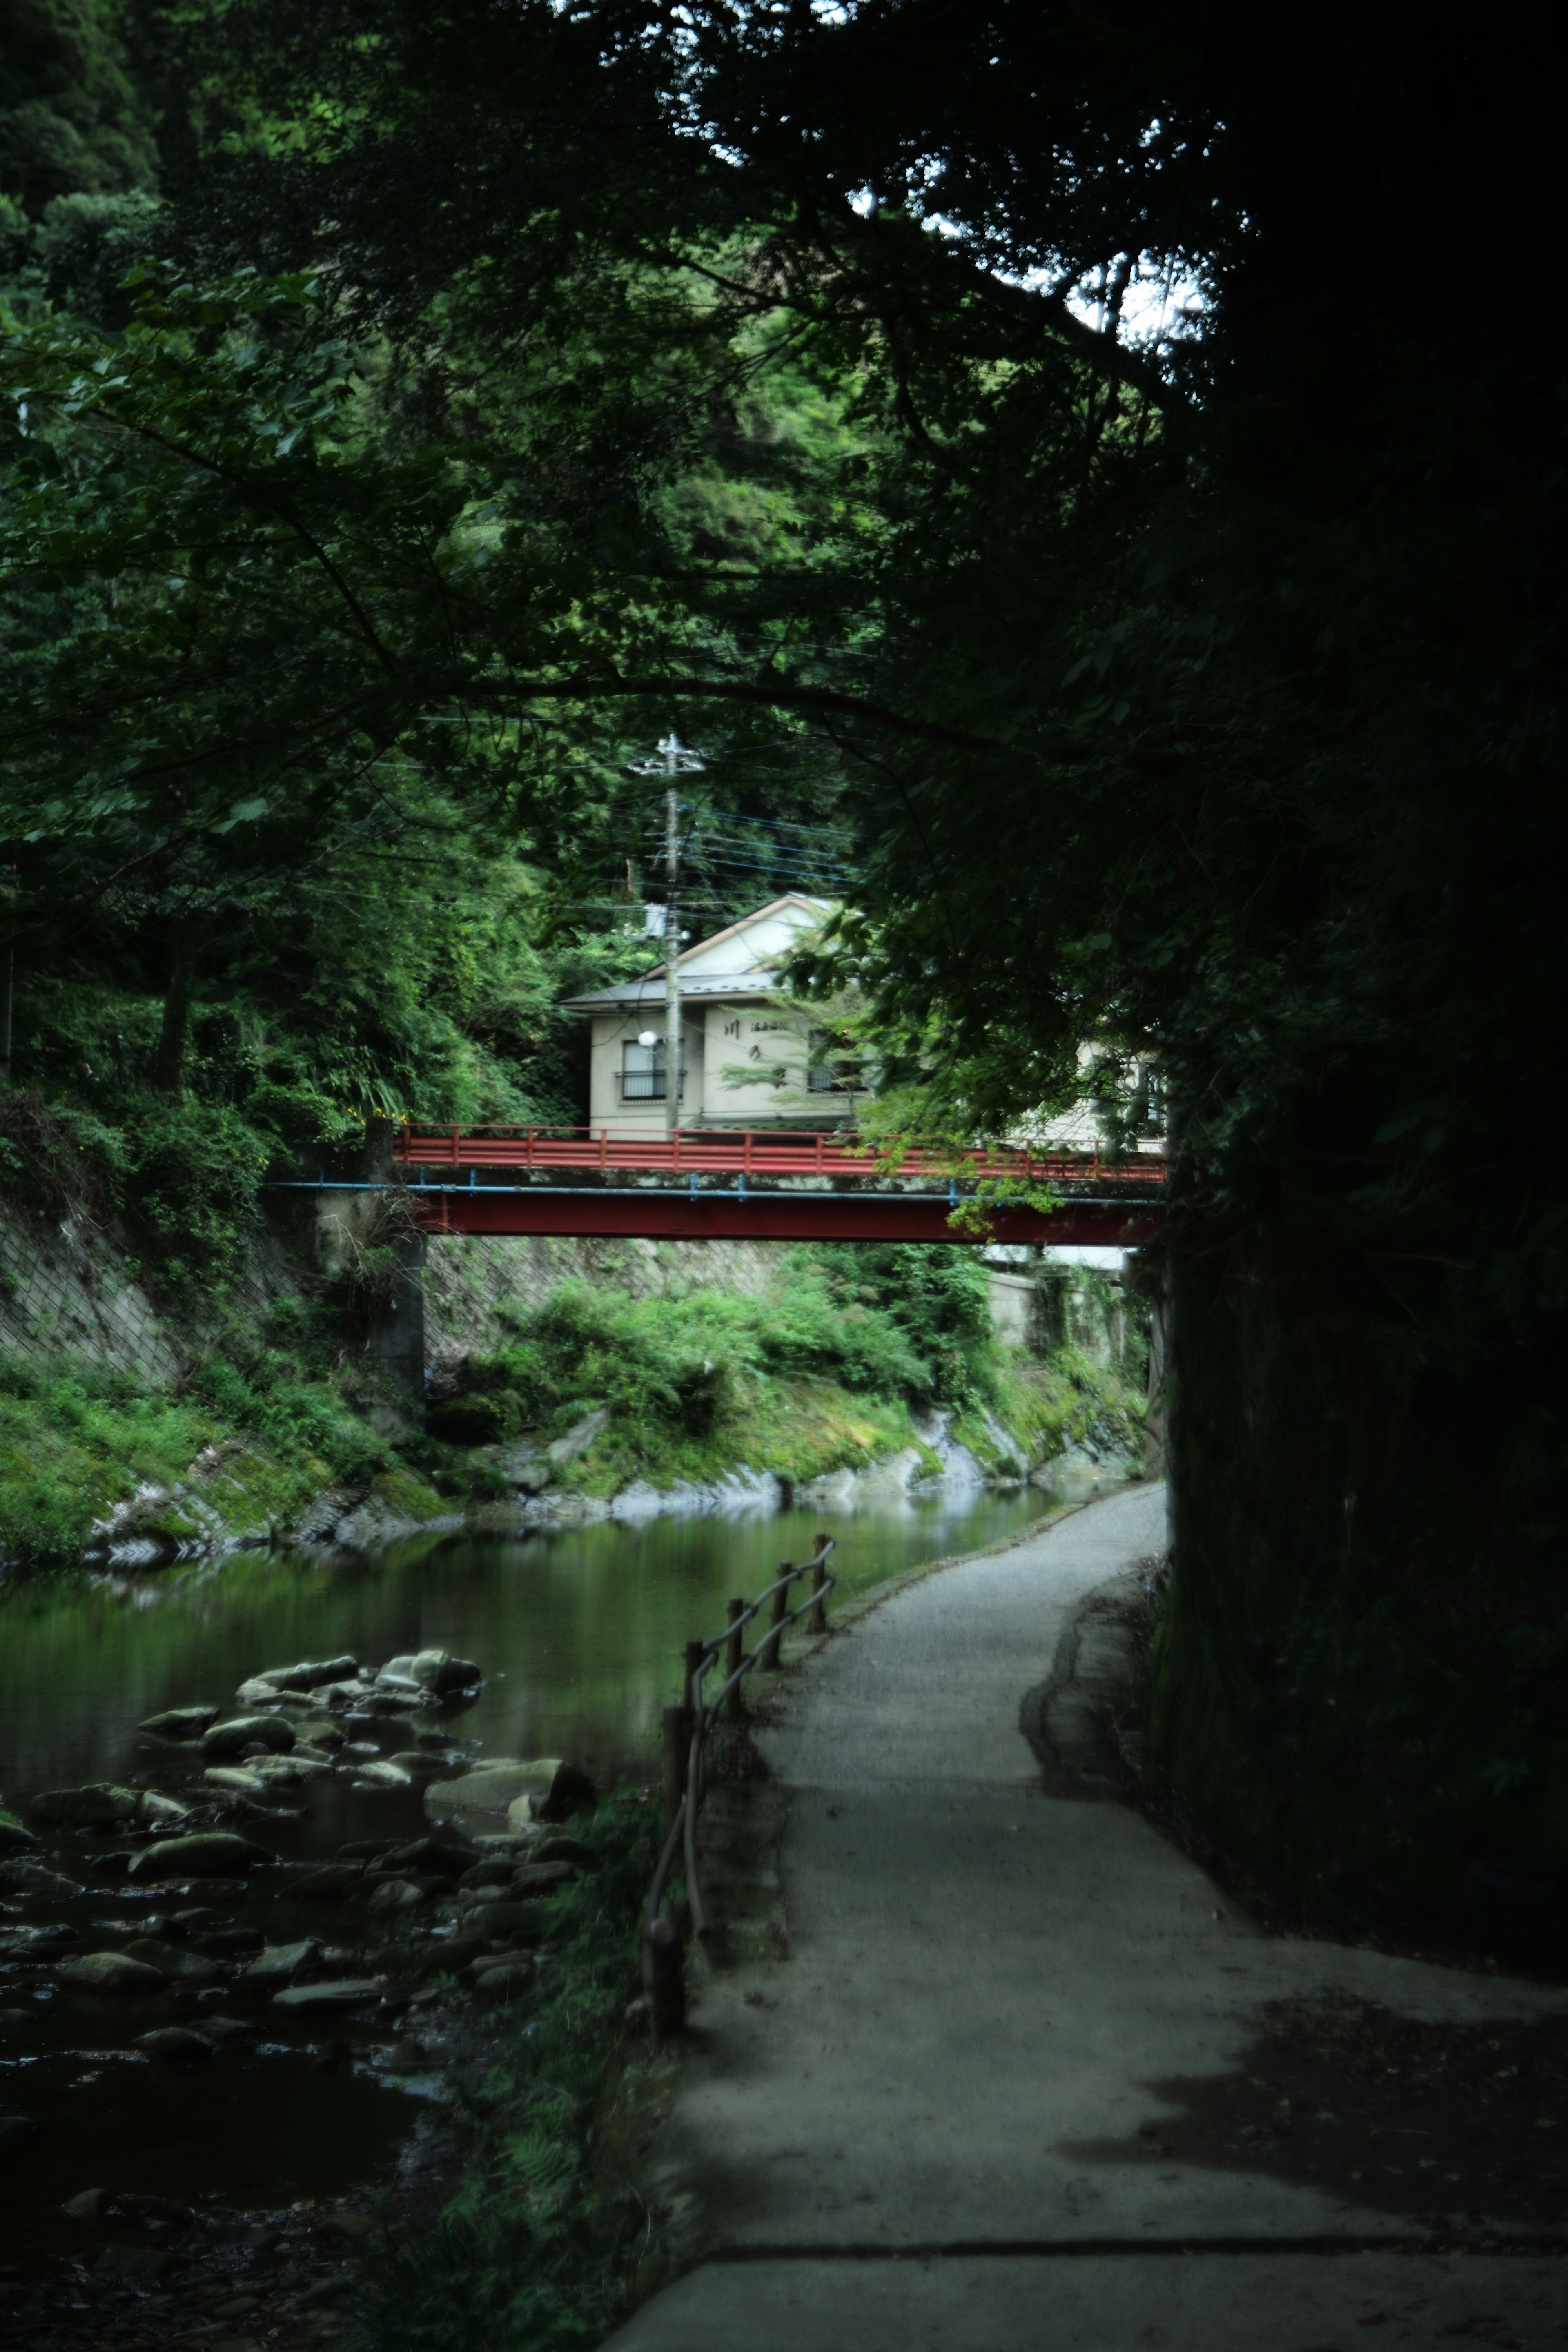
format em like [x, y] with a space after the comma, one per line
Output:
[708, 1184]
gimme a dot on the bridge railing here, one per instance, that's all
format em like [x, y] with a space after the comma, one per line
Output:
[749, 1152]
[686, 1730]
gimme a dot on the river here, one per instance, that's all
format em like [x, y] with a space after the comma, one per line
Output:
[579, 1633]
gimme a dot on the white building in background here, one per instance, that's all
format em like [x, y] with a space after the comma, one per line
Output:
[751, 1059]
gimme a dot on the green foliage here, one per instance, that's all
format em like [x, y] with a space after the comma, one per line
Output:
[685, 1363]
[193, 1174]
[73, 1445]
[69, 117]
[262, 1390]
[936, 1295]
[58, 1158]
[541, 2245]
[820, 1374]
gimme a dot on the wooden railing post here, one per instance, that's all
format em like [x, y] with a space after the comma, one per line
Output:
[693, 1665]
[817, 1620]
[733, 1655]
[662, 1979]
[677, 1748]
[769, 1660]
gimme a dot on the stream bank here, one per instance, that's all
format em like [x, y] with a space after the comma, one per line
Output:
[568, 1381]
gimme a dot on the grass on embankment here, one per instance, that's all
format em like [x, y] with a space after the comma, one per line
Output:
[244, 1448]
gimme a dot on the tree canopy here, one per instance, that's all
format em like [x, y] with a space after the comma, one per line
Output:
[1106, 462]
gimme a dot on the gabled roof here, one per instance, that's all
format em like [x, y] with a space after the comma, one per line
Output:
[739, 975]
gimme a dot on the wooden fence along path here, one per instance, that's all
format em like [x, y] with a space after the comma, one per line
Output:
[687, 1728]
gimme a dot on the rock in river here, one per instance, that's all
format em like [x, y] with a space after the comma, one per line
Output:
[211, 1853]
[510, 1923]
[397, 1898]
[185, 1967]
[434, 1672]
[329, 1886]
[384, 1774]
[429, 1856]
[346, 1993]
[13, 1838]
[96, 1807]
[176, 2045]
[160, 1811]
[279, 1964]
[308, 1675]
[32, 1879]
[179, 1722]
[15, 2129]
[225, 1740]
[112, 1972]
[543, 1788]
[506, 1980]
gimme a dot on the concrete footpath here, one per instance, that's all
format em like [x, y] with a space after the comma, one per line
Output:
[927, 2112]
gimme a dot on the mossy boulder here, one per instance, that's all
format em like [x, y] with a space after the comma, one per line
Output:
[98, 1806]
[227, 1741]
[179, 1722]
[112, 1972]
[209, 1854]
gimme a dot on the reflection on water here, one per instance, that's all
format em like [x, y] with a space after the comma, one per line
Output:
[579, 1633]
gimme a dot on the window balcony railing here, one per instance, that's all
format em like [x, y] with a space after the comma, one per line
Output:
[647, 1086]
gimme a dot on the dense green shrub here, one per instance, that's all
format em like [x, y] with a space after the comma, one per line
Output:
[265, 1393]
[938, 1296]
[194, 1176]
[685, 1361]
[56, 1156]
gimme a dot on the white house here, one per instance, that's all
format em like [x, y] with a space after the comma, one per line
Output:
[750, 1059]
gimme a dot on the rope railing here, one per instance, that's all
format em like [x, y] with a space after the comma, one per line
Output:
[686, 1729]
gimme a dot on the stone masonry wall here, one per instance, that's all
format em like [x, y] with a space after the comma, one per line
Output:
[70, 1293]
[67, 1294]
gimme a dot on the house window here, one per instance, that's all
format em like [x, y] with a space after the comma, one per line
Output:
[643, 1076]
[824, 1077]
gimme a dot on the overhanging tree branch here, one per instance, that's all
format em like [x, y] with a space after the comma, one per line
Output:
[593, 686]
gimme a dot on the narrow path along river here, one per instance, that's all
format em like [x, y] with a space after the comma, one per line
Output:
[578, 1633]
[988, 2082]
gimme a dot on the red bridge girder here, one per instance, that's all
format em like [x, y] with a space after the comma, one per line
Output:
[759, 1185]
[628, 1209]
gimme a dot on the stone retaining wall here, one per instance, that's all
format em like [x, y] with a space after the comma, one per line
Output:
[67, 1294]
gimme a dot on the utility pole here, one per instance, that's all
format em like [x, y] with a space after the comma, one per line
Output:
[674, 758]
[671, 949]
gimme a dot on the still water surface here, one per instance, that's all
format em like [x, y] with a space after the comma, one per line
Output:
[579, 1633]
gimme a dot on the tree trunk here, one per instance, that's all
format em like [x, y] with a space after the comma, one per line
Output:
[169, 1076]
